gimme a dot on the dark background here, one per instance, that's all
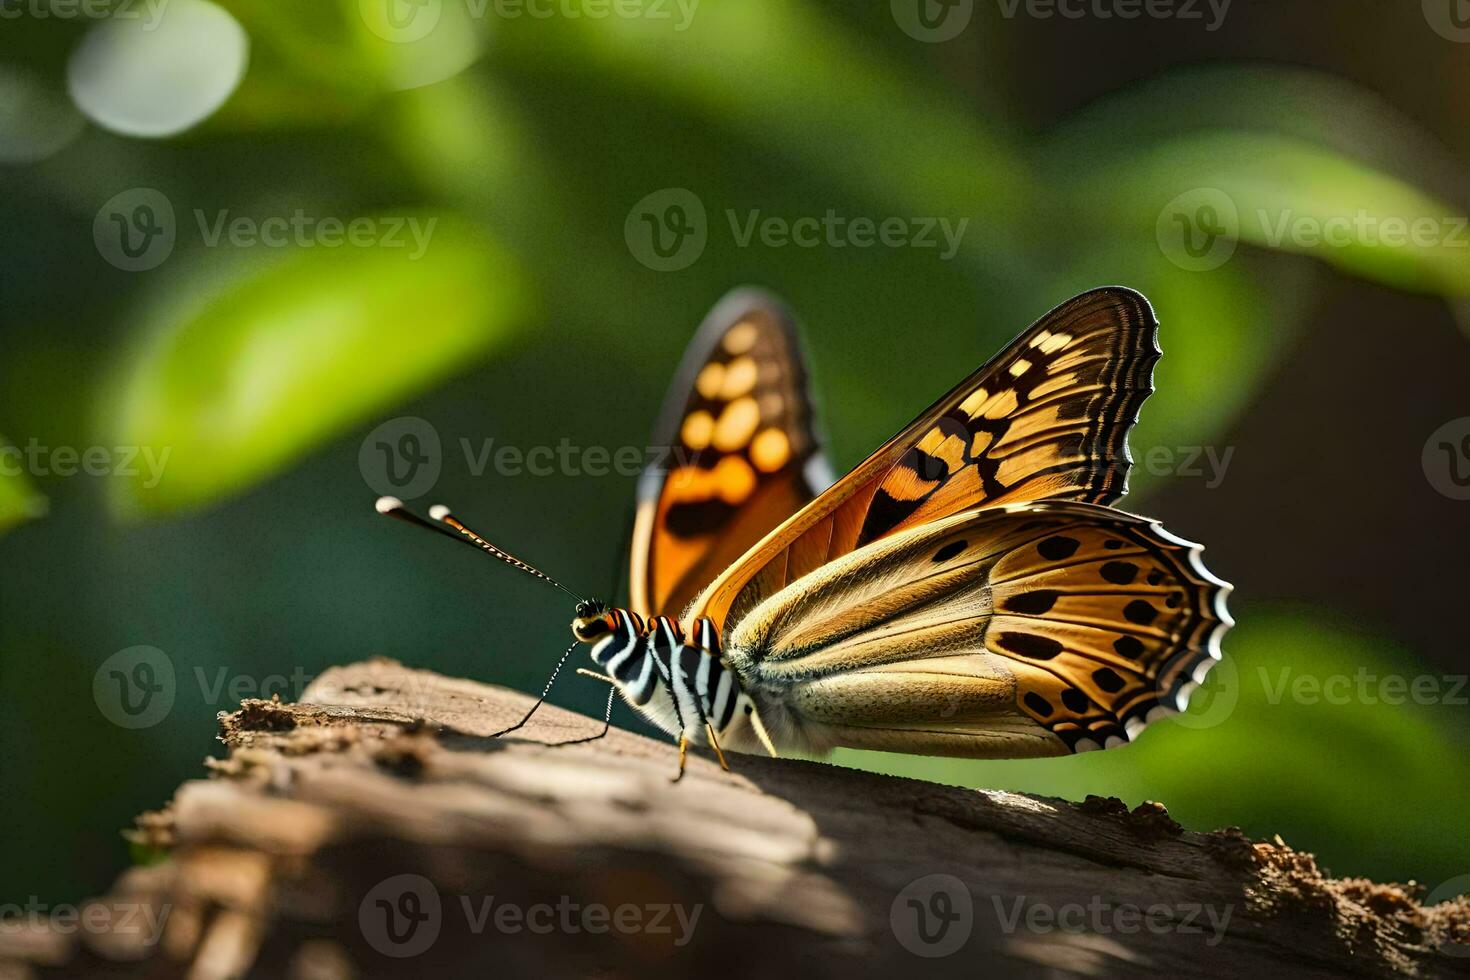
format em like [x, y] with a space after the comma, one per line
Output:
[530, 319]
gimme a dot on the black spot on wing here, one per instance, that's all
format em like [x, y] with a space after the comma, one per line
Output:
[1037, 703]
[884, 512]
[949, 551]
[1129, 646]
[930, 469]
[1108, 679]
[1075, 700]
[1058, 548]
[1140, 611]
[1032, 603]
[698, 518]
[1119, 572]
[1029, 645]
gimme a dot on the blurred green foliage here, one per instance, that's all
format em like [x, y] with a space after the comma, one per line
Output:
[528, 321]
[292, 354]
[19, 499]
[1284, 734]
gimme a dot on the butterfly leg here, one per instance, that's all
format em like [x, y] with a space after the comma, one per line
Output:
[715, 744]
[683, 754]
[606, 719]
[542, 699]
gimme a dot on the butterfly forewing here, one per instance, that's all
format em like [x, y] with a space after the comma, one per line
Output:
[1026, 629]
[1047, 418]
[741, 453]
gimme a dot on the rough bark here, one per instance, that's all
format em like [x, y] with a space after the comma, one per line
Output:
[323, 842]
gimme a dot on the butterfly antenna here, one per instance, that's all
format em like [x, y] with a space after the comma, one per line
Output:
[393, 507]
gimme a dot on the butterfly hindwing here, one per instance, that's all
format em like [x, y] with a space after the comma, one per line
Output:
[1047, 418]
[1025, 629]
[740, 453]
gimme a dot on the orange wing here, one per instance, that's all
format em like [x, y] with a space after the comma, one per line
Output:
[1046, 419]
[742, 453]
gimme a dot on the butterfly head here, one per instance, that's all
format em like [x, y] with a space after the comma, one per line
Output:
[591, 622]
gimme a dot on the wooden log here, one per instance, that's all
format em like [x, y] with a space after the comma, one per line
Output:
[378, 829]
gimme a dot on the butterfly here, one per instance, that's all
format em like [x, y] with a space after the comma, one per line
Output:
[967, 590]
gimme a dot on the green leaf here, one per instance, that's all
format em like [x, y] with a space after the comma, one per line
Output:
[1328, 771]
[1221, 334]
[1286, 194]
[19, 499]
[1326, 110]
[273, 364]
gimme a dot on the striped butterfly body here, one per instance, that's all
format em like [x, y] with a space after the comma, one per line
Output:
[966, 590]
